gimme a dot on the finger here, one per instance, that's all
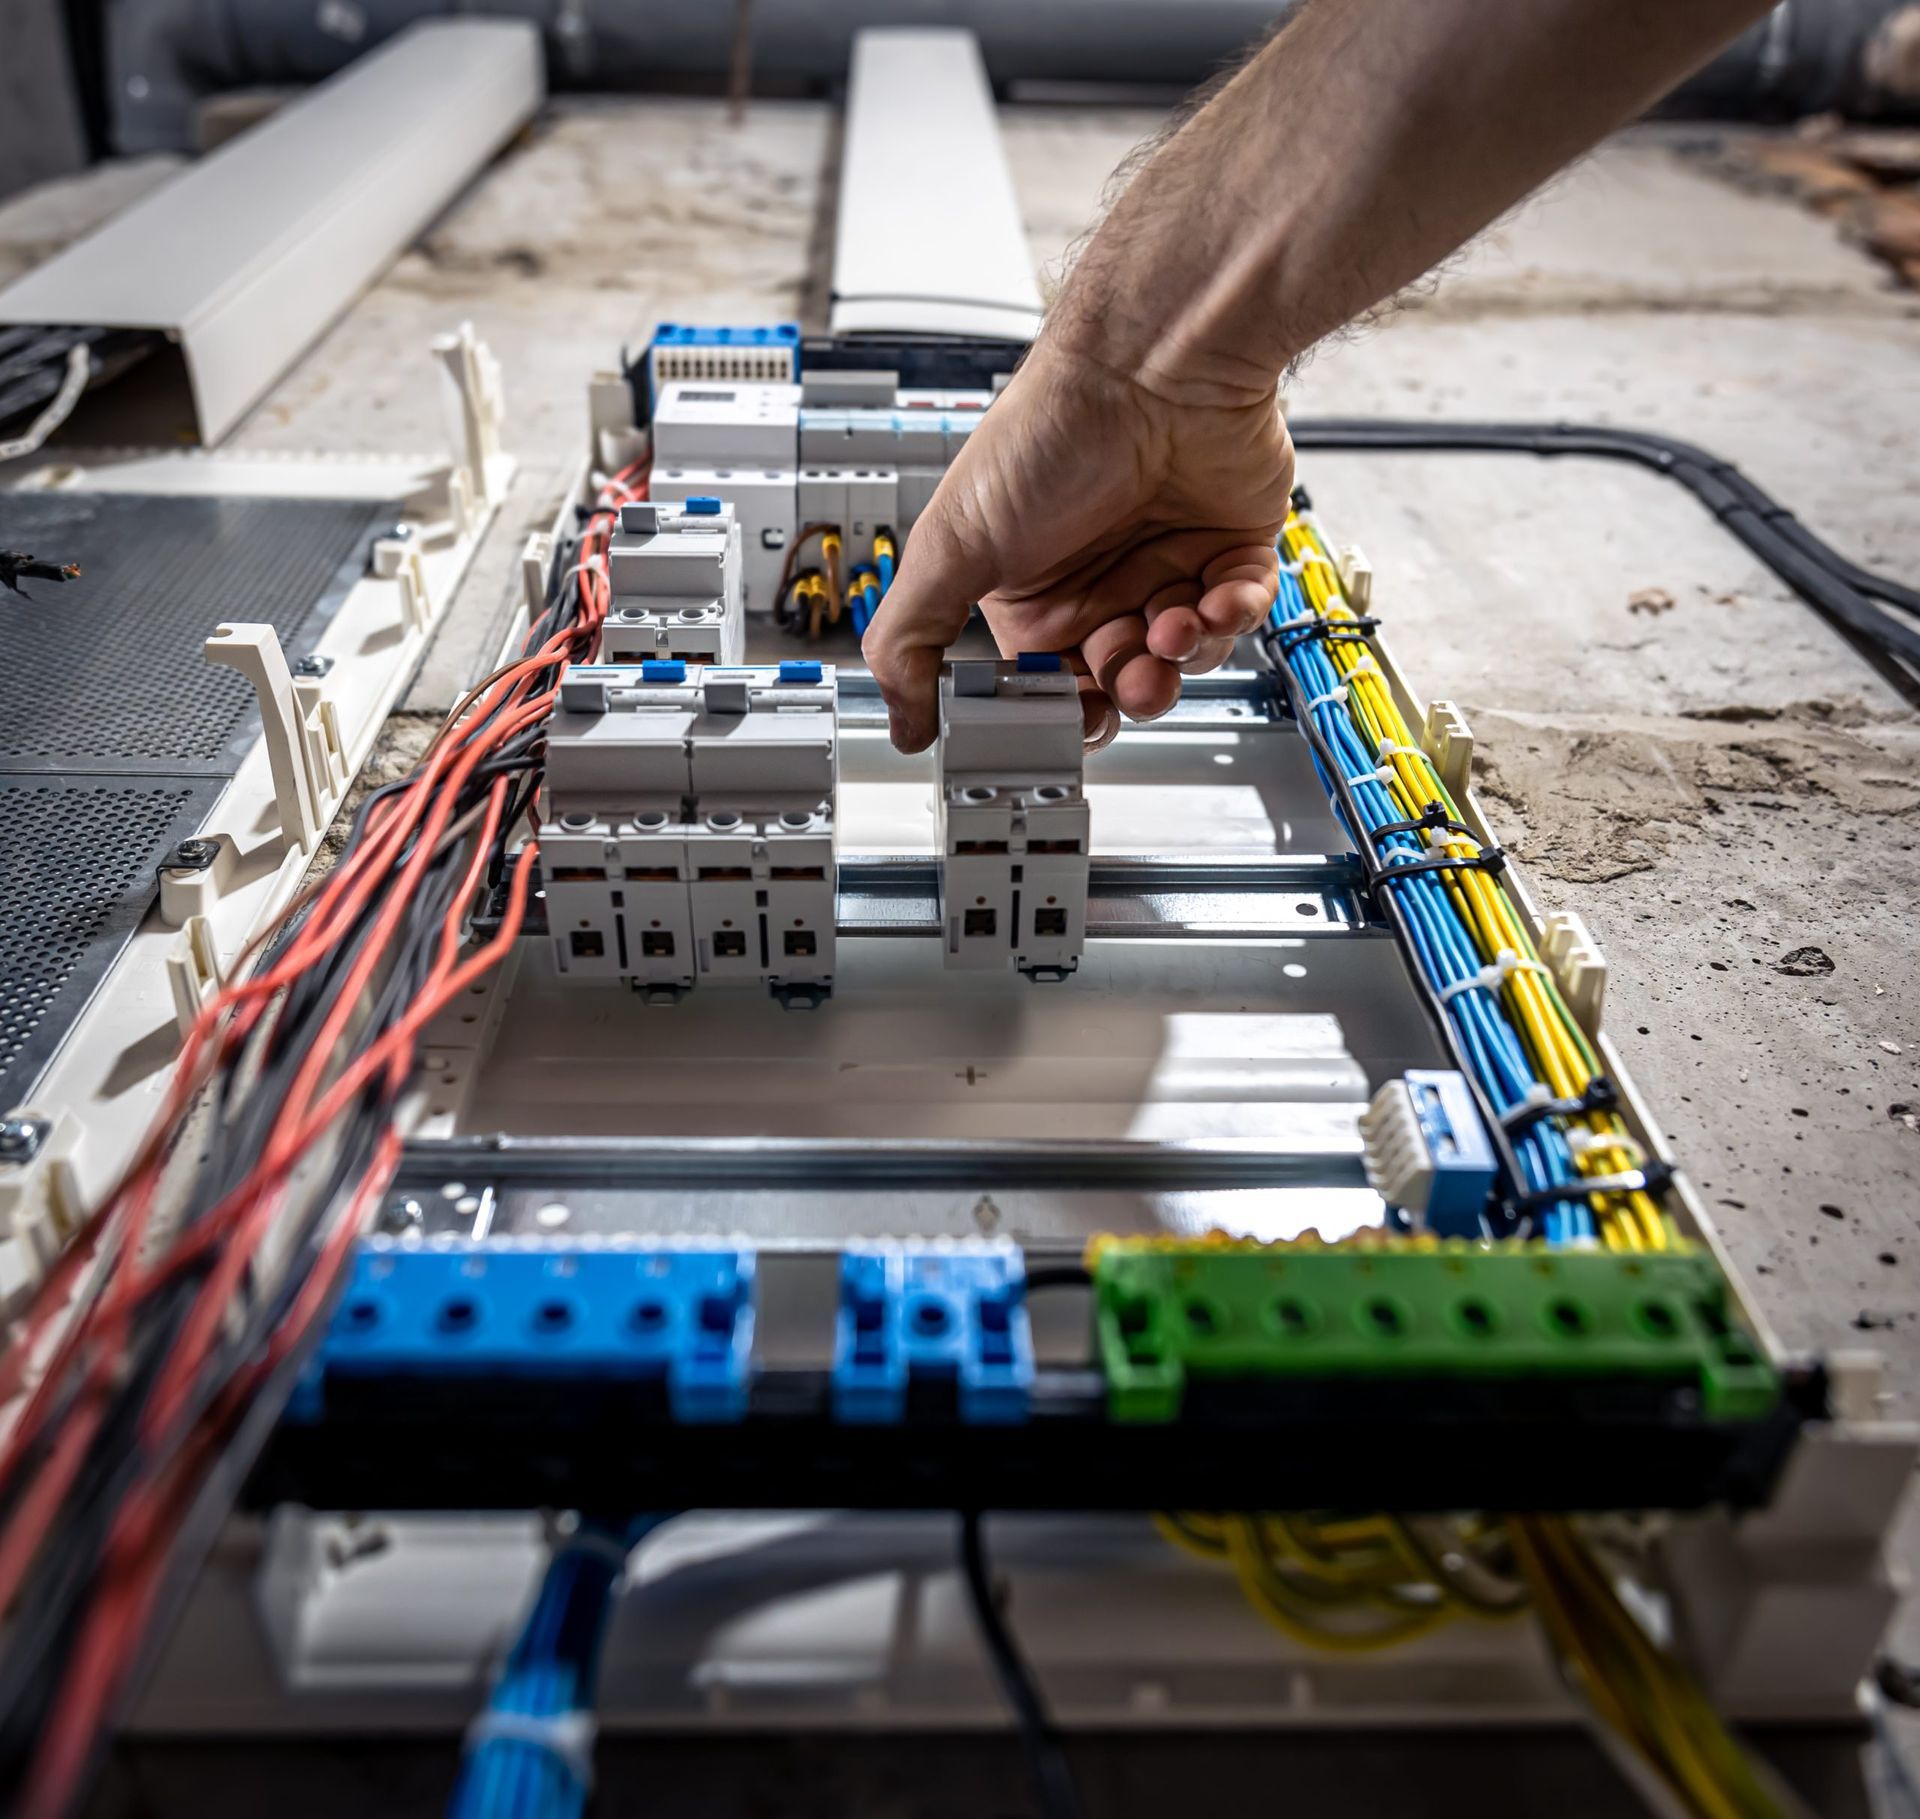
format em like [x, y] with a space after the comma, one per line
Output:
[1211, 654]
[1100, 718]
[1241, 585]
[1174, 630]
[1141, 685]
[923, 612]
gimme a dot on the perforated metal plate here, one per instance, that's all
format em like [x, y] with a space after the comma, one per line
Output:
[76, 875]
[105, 673]
[116, 734]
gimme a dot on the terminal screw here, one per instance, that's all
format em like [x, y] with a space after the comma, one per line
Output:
[314, 665]
[193, 856]
[21, 1138]
[399, 1216]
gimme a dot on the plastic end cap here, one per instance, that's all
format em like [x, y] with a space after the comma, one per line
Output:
[1039, 662]
[663, 669]
[702, 505]
[799, 670]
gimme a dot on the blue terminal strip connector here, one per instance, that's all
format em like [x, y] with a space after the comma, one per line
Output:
[1457, 1149]
[557, 1314]
[722, 352]
[932, 1329]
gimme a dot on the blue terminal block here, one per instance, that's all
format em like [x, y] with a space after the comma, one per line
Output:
[662, 669]
[1458, 1151]
[552, 1314]
[764, 353]
[932, 1329]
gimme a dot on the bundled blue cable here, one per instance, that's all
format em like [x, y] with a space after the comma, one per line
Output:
[1442, 946]
[530, 1753]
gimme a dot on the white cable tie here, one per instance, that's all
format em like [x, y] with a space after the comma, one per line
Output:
[1631, 1183]
[592, 566]
[1313, 555]
[1297, 621]
[1539, 1093]
[565, 1736]
[1584, 1142]
[1333, 694]
[1363, 665]
[1392, 748]
[1492, 976]
[1296, 567]
[59, 406]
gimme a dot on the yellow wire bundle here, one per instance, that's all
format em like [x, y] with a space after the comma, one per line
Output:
[1357, 1584]
[1641, 1693]
[1561, 1055]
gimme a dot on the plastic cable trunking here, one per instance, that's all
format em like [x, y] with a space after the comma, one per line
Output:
[918, 1327]
[597, 1317]
[1422, 1310]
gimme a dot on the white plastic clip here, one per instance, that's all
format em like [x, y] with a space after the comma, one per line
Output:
[1333, 694]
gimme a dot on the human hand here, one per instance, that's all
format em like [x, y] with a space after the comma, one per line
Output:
[1121, 524]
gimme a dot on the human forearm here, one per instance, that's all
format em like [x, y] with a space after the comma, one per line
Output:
[1365, 142]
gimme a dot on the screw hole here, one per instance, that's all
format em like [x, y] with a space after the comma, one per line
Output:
[1568, 1318]
[459, 1316]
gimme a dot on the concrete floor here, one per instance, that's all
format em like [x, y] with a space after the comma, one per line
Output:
[1714, 785]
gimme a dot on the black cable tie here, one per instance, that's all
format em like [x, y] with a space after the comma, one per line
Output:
[1302, 499]
[1329, 631]
[1601, 1095]
[1492, 860]
[1652, 1177]
[1433, 816]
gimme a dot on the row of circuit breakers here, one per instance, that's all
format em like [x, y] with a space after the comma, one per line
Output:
[689, 830]
[689, 833]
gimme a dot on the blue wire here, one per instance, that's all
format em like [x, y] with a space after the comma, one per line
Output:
[551, 1672]
[1442, 947]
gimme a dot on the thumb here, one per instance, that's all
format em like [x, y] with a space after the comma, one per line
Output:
[924, 611]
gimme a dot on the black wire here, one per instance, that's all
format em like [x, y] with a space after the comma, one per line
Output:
[244, 1104]
[1053, 1782]
[1817, 572]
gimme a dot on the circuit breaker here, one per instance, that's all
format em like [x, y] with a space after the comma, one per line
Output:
[689, 832]
[762, 501]
[853, 452]
[675, 574]
[1013, 823]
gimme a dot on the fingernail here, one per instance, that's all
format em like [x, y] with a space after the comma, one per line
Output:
[1109, 725]
[1188, 646]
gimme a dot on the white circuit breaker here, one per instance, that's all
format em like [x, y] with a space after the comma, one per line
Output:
[689, 831]
[852, 450]
[675, 574]
[1013, 817]
[763, 502]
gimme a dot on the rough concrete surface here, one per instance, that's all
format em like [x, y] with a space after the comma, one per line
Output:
[1726, 790]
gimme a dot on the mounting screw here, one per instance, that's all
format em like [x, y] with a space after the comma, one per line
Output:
[192, 856]
[21, 1138]
[403, 531]
[400, 1216]
[314, 665]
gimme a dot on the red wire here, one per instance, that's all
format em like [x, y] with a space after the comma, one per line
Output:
[140, 1539]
